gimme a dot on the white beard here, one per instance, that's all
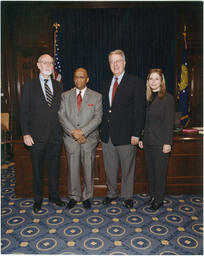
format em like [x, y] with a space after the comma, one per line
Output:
[47, 73]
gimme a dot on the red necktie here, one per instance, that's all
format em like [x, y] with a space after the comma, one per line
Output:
[79, 100]
[115, 87]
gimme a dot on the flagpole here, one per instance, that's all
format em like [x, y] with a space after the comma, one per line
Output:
[56, 26]
[184, 36]
[57, 67]
[183, 86]
[189, 103]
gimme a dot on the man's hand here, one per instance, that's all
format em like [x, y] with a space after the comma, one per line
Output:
[140, 144]
[134, 140]
[28, 140]
[77, 134]
[81, 140]
[166, 148]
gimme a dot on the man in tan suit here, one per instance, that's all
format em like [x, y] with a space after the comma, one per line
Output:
[80, 114]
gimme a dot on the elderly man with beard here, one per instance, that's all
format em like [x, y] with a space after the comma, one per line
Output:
[41, 129]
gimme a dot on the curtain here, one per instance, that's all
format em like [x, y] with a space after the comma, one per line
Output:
[146, 35]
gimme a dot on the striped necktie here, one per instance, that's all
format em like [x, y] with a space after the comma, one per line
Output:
[48, 93]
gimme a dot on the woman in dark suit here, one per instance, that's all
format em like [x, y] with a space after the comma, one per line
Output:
[158, 135]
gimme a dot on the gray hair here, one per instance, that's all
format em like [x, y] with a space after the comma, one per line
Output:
[119, 52]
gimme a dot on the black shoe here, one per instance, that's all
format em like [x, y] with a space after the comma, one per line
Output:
[87, 204]
[150, 200]
[71, 204]
[108, 200]
[128, 203]
[57, 201]
[155, 206]
[37, 206]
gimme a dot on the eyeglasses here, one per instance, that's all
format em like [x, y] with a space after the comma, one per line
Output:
[116, 62]
[47, 62]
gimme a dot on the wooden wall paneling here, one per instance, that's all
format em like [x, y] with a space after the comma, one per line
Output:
[99, 175]
[63, 179]
[5, 86]
[7, 67]
[26, 70]
[185, 167]
[185, 171]
[28, 34]
[196, 91]
[22, 166]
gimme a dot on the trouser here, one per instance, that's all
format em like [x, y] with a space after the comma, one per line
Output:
[157, 167]
[49, 151]
[125, 157]
[81, 156]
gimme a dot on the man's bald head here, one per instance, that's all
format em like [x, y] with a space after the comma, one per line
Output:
[81, 78]
[45, 57]
[45, 65]
[81, 70]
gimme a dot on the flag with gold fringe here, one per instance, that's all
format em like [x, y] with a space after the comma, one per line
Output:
[183, 89]
[57, 74]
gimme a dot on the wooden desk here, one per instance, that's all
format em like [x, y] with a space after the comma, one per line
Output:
[185, 173]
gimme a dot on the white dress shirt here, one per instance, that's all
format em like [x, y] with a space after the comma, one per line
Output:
[82, 92]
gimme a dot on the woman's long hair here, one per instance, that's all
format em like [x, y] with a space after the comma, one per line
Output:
[162, 91]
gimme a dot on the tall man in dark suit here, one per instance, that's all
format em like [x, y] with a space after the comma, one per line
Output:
[41, 129]
[122, 123]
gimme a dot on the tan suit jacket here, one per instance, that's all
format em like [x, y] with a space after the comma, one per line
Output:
[87, 119]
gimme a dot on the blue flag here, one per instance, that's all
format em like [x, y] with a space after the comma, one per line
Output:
[183, 90]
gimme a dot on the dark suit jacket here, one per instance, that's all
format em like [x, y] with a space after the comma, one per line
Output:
[159, 121]
[126, 116]
[37, 118]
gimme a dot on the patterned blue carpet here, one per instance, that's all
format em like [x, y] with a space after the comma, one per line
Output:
[176, 228]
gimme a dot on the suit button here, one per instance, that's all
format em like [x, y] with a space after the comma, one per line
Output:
[110, 111]
[77, 124]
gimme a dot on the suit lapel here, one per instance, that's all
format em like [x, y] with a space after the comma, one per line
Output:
[123, 82]
[54, 90]
[107, 89]
[40, 92]
[85, 99]
[73, 100]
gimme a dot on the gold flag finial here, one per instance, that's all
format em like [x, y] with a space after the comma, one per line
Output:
[56, 26]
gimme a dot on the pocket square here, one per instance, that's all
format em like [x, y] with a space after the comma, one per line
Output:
[90, 105]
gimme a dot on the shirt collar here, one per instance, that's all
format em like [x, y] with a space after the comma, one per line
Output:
[120, 76]
[82, 91]
[42, 78]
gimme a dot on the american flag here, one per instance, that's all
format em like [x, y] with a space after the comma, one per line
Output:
[57, 67]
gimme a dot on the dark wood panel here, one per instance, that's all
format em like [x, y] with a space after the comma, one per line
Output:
[185, 148]
[185, 172]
